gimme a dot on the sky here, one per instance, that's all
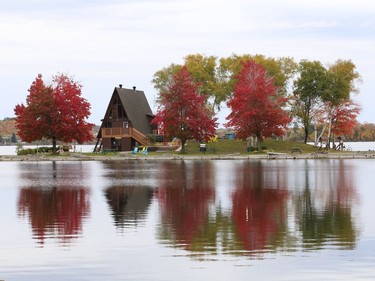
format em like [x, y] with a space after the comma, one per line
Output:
[103, 44]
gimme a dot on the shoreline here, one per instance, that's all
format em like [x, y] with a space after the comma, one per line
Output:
[169, 156]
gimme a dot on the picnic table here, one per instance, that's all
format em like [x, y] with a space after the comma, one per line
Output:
[296, 149]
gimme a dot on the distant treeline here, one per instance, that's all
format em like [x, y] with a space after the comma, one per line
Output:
[362, 132]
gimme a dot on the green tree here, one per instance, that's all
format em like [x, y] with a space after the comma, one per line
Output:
[308, 90]
[217, 77]
[281, 69]
[203, 71]
[14, 138]
[342, 81]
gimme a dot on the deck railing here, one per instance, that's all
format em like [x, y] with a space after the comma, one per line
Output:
[125, 132]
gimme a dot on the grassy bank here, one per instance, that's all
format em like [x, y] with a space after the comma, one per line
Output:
[225, 146]
[222, 147]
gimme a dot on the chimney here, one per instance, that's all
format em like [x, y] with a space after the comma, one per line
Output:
[134, 88]
[120, 86]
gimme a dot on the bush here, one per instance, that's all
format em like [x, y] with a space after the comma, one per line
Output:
[155, 138]
[42, 149]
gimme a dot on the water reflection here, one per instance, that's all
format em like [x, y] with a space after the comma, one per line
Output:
[259, 207]
[184, 196]
[127, 198]
[55, 199]
[160, 219]
[324, 207]
[274, 207]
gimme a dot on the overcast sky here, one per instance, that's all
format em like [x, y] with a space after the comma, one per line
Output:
[106, 43]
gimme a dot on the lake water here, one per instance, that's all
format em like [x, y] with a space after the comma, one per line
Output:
[12, 149]
[188, 220]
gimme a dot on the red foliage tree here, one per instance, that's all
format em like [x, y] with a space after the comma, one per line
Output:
[56, 112]
[256, 107]
[183, 113]
[344, 117]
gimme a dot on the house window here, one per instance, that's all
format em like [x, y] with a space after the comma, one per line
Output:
[125, 124]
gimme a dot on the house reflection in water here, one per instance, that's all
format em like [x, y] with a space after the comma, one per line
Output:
[129, 204]
[128, 192]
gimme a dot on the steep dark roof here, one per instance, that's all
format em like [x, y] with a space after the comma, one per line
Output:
[137, 108]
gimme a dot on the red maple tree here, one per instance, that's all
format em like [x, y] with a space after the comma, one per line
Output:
[256, 107]
[55, 112]
[183, 113]
[344, 117]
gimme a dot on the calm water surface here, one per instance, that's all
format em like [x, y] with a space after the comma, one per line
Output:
[188, 220]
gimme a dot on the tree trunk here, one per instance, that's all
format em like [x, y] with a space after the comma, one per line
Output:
[306, 134]
[322, 132]
[54, 148]
[329, 128]
[183, 142]
[259, 143]
[315, 135]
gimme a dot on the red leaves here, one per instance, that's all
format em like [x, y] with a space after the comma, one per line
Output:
[55, 111]
[183, 113]
[256, 107]
[345, 117]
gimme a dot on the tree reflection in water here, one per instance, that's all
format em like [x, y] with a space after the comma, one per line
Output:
[275, 206]
[259, 207]
[270, 206]
[55, 199]
[324, 207]
[184, 195]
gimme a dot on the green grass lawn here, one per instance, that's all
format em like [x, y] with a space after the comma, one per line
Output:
[221, 147]
[227, 146]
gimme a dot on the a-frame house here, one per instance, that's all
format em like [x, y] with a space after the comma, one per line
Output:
[127, 121]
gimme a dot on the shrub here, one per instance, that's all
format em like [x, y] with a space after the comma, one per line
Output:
[42, 149]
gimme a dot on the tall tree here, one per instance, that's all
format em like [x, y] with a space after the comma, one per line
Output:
[282, 69]
[256, 107]
[54, 112]
[342, 78]
[217, 77]
[183, 113]
[308, 91]
[203, 71]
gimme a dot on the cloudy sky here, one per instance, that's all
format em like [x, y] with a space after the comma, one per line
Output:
[106, 43]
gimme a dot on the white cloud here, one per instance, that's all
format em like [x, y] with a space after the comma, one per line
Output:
[111, 42]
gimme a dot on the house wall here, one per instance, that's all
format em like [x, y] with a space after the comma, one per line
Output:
[126, 144]
[107, 143]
